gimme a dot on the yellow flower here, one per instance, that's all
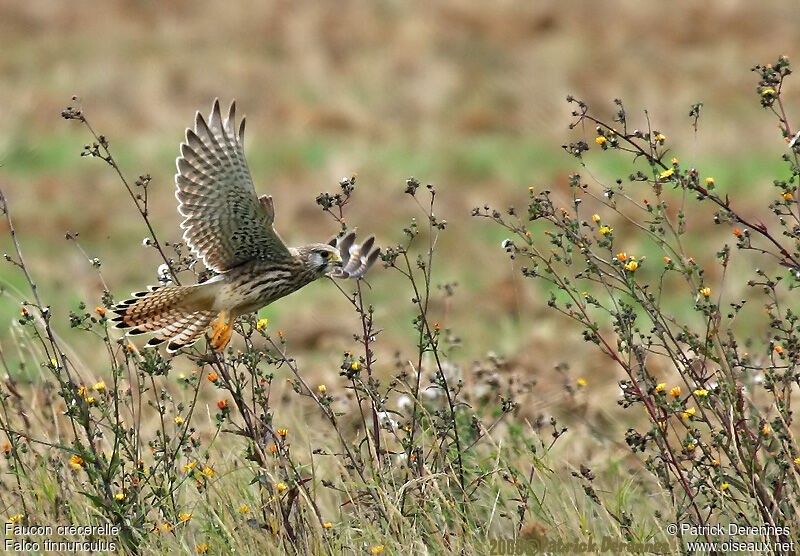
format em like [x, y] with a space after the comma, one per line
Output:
[167, 527]
[631, 266]
[661, 386]
[675, 391]
[778, 349]
[689, 413]
[709, 181]
[262, 323]
[787, 196]
[100, 386]
[212, 377]
[130, 347]
[208, 471]
[355, 365]
[600, 140]
[666, 173]
[581, 382]
[767, 92]
[327, 525]
[282, 432]
[82, 391]
[54, 362]
[706, 291]
[76, 461]
[185, 517]
[100, 311]
[660, 137]
[243, 509]
[690, 447]
[585, 294]
[766, 430]
[622, 256]
[15, 518]
[797, 461]
[322, 388]
[667, 260]
[202, 548]
[120, 496]
[189, 466]
[701, 393]
[674, 161]
[281, 487]
[377, 549]
[90, 400]
[724, 486]
[605, 230]
[715, 462]
[596, 217]
[178, 420]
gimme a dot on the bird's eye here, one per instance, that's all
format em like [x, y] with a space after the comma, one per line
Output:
[326, 255]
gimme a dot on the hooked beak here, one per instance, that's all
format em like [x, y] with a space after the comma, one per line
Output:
[336, 260]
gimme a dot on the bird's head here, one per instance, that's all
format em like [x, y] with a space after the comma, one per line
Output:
[320, 258]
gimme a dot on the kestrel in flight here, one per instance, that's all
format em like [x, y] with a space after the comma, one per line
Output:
[231, 230]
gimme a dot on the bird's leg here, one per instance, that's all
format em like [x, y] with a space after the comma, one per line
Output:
[222, 331]
[227, 332]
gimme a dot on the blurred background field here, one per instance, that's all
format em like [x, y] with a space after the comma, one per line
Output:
[469, 96]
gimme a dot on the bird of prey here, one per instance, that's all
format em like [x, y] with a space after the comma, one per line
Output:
[231, 230]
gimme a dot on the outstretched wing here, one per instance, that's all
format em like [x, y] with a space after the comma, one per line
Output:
[356, 259]
[225, 224]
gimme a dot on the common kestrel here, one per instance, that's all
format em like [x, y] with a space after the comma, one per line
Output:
[231, 230]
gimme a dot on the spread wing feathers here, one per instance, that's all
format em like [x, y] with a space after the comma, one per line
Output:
[356, 259]
[158, 311]
[225, 223]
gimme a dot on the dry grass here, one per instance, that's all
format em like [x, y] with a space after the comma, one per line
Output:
[468, 97]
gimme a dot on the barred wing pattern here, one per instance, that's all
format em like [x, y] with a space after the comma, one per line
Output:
[225, 223]
[356, 259]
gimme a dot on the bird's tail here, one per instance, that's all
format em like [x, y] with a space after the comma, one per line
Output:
[169, 312]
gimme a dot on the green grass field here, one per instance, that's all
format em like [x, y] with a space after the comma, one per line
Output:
[468, 98]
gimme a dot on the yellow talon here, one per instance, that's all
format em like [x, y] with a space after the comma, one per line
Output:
[222, 331]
